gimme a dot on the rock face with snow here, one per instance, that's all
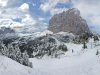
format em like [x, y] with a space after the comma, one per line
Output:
[5, 30]
[69, 21]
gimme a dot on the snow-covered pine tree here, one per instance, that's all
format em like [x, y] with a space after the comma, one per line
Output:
[18, 53]
[11, 52]
[25, 58]
[8, 47]
[4, 51]
[15, 54]
[1, 46]
[30, 64]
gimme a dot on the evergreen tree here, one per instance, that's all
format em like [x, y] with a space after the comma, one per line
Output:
[49, 52]
[30, 64]
[72, 51]
[15, 54]
[4, 51]
[96, 38]
[84, 45]
[97, 52]
[1, 46]
[64, 48]
[11, 51]
[25, 58]
[18, 54]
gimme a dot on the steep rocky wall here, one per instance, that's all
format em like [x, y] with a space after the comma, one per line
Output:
[69, 21]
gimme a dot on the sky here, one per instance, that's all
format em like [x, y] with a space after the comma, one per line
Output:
[29, 16]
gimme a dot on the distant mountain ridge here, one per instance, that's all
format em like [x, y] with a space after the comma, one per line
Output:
[69, 21]
[5, 30]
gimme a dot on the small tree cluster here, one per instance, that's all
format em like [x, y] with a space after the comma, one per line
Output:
[82, 38]
[63, 48]
[39, 46]
[15, 54]
[96, 38]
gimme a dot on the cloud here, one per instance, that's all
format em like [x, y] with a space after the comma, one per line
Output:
[49, 5]
[45, 24]
[57, 10]
[12, 13]
[95, 30]
[24, 7]
[8, 14]
[33, 4]
[28, 20]
[11, 2]
[95, 20]
[89, 10]
[3, 3]
[41, 19]
[19, 18]
[6, 3]
[26, 25]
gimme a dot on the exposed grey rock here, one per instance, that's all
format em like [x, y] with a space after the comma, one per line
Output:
[69, 21]
[5, 30]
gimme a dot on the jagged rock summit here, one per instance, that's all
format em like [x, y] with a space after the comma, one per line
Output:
[69, 21]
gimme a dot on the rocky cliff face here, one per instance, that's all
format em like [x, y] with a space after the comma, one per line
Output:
[69, 21]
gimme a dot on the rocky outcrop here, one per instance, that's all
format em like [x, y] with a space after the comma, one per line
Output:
[5, 30]
[69, 21]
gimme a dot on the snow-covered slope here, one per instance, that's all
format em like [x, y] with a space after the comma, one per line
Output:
[11, 67]
[37, 34]
[80, 62]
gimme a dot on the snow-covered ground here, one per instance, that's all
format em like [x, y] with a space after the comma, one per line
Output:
[11, 67]
[80, 62]
[37, 34]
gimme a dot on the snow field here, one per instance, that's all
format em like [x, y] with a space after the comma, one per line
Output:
[80, 62]
[11, 67]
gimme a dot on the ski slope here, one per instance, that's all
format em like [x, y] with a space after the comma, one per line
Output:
[80, 62]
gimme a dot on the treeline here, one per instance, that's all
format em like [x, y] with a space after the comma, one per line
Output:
[84, 38]
[14, 53]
